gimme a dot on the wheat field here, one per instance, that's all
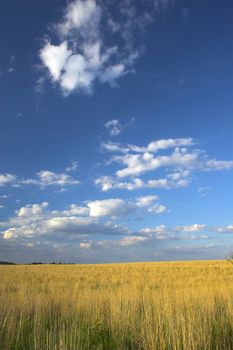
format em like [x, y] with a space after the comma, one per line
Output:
[169, 305]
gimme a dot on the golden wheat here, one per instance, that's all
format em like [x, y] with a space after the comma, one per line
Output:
[180, 305]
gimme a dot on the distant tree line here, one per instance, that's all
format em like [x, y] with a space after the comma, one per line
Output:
[36, 263]
[7, 263]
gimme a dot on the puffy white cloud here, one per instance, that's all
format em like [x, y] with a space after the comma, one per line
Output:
[158, 230]
[137, 164]
[33, 221]
[6, 179]
[76, 210]
[54, 58]
[49, 178]
[84, 53]
[81, 57]
[136, 161]
[110, 207]
[178, 179]
[146, 200]
[10, 233]
[43, 178]
[32, 210]
[117, 207]
[155, 146]
[158, 209]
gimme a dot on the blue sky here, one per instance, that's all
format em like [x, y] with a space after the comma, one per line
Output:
[116, 130]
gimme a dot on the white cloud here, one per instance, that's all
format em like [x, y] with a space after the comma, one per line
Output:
[83, 15]
[10, 233]
[6, 179]
[49, 178]
[32, 210]
[158, 209]
[158, 230]
[55, 57]
[155, 146]
[213, 164]
[146, 201]
[110, 207]
[73, 166]
[81, 57]
[177, 155]
[117, 207]
[131, 240]
[43, 178]
[85, 245]
[137, 164]
[179, 179]
[190, 228]
[34, 221]
[83, 53]
[114, 127]
[152, 147]
[225, 229]
[76, 210]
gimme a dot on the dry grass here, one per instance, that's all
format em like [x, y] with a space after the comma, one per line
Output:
[182, 305]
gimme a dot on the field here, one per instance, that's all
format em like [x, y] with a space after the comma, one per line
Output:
[170, 305]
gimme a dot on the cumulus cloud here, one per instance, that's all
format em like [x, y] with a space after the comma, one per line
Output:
[179, 179]
[146, 200]
[32, 210]
[177, 154]
[158, 209]
[158, 230]
[117, 207]
[33, 221]
[137, 164]
[48, 178]
[83, 53]
[6, 179]
[43, 178]
[110, 207]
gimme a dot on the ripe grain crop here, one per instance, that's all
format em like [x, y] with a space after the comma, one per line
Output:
[143, 306]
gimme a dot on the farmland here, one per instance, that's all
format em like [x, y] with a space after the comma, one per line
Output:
[168, 305]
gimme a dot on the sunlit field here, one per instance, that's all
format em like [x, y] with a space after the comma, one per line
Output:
[181, 305]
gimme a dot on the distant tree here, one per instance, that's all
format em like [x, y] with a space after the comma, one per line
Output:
[229, 257]
[37, 263]
[7, 263]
